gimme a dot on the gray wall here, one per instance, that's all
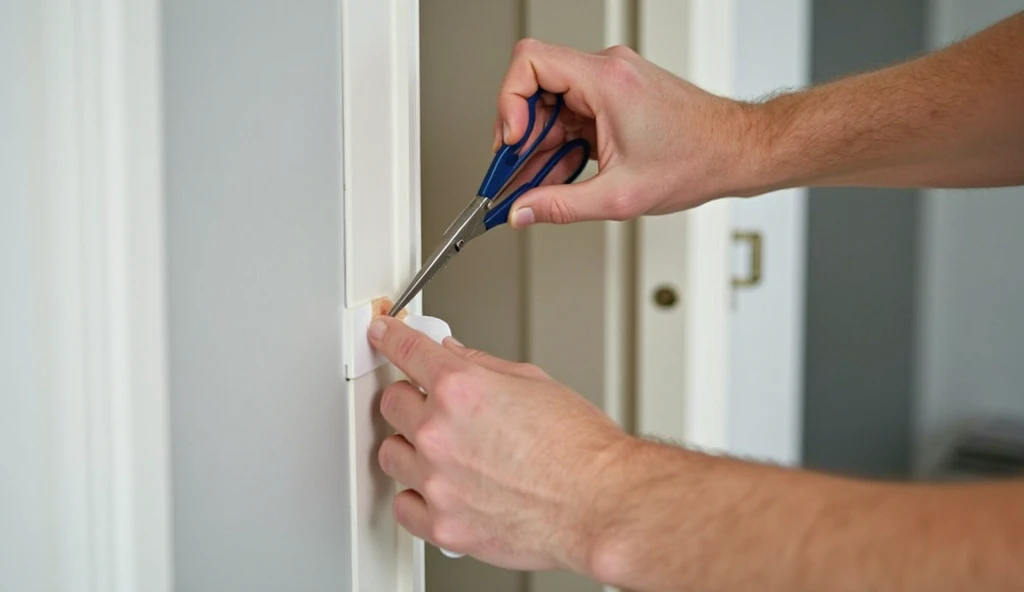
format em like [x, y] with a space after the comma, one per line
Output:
[253, 195]
[862, 253]
[27, 541]
[971, 326]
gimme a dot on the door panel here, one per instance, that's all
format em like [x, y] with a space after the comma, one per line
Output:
[682, 352]
[766, 321]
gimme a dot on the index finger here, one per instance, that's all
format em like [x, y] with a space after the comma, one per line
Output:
[556, 69]
[420, 357]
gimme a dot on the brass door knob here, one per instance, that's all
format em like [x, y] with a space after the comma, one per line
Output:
[666, 296]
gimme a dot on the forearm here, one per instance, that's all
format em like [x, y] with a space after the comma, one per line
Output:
[954, 118]
[698, 523]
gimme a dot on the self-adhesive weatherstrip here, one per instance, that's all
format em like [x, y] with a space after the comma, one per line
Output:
[361, 358]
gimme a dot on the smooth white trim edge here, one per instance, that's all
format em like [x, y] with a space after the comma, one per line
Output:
[103, 239]
[380, 131]
[696, 411]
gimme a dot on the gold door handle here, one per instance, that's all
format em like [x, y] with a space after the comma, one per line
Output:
[753, 276]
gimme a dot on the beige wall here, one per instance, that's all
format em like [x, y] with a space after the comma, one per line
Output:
[519, 295]
[465, 47]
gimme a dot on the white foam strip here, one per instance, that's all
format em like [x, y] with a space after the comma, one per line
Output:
[360, 357]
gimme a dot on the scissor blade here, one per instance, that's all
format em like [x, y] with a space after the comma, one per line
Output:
[467, 226]
[440, 257]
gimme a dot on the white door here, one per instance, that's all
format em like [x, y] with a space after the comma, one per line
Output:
[226, 189]
[769, 237]
[681, 354]
[721, 287]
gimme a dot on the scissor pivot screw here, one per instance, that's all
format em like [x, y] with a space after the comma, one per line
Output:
[459, 244]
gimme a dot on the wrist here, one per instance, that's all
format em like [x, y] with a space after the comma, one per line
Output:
[763, 144]
[620, 530]
[602, 495]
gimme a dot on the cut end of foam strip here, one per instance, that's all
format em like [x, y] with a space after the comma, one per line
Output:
[382, 306]
[363, 359]
[360, 357]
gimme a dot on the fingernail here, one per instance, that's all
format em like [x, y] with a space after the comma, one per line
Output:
[378, 329]
[504, 132]
[523, 217]
[454, 341]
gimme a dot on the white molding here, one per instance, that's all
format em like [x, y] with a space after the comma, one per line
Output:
[618, 261]
[689, 345]
[707, 282]
[381, 249]
[767, 320]
[102, 227]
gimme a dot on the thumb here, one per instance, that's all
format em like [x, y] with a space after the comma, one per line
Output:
[593, 199]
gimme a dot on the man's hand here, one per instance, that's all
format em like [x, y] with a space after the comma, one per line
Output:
[505, 464]
[502, 462]
[949, 119]
[662, 144]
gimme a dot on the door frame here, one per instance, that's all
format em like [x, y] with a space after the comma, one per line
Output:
[682, 351]
[691, 251]
[102, 237]
[381, 250]
[104, 358]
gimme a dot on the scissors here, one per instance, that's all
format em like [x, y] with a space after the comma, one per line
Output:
[485, 212]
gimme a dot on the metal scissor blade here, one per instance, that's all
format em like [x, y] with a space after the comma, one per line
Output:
[466, 227]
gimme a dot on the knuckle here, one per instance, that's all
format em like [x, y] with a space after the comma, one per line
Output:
[388, 401]
[444, 532]
[560, 212]
[619, 72]
[531, 370]
[621, 51]
[459, 388]
[434, 491]
[449, 382]
[475, 355]
[619, 206]
[527, 45]
[431, 441]
[408, 346]
[384, 457]
[401, 509]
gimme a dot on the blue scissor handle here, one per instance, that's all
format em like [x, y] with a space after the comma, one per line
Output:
[499, 214]
[508, 160]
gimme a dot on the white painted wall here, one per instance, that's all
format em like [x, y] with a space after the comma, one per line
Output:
[971, 327]
[27, 541]
[267, 481]
[258, 403]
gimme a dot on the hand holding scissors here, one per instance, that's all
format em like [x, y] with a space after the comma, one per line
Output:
[486, 211]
